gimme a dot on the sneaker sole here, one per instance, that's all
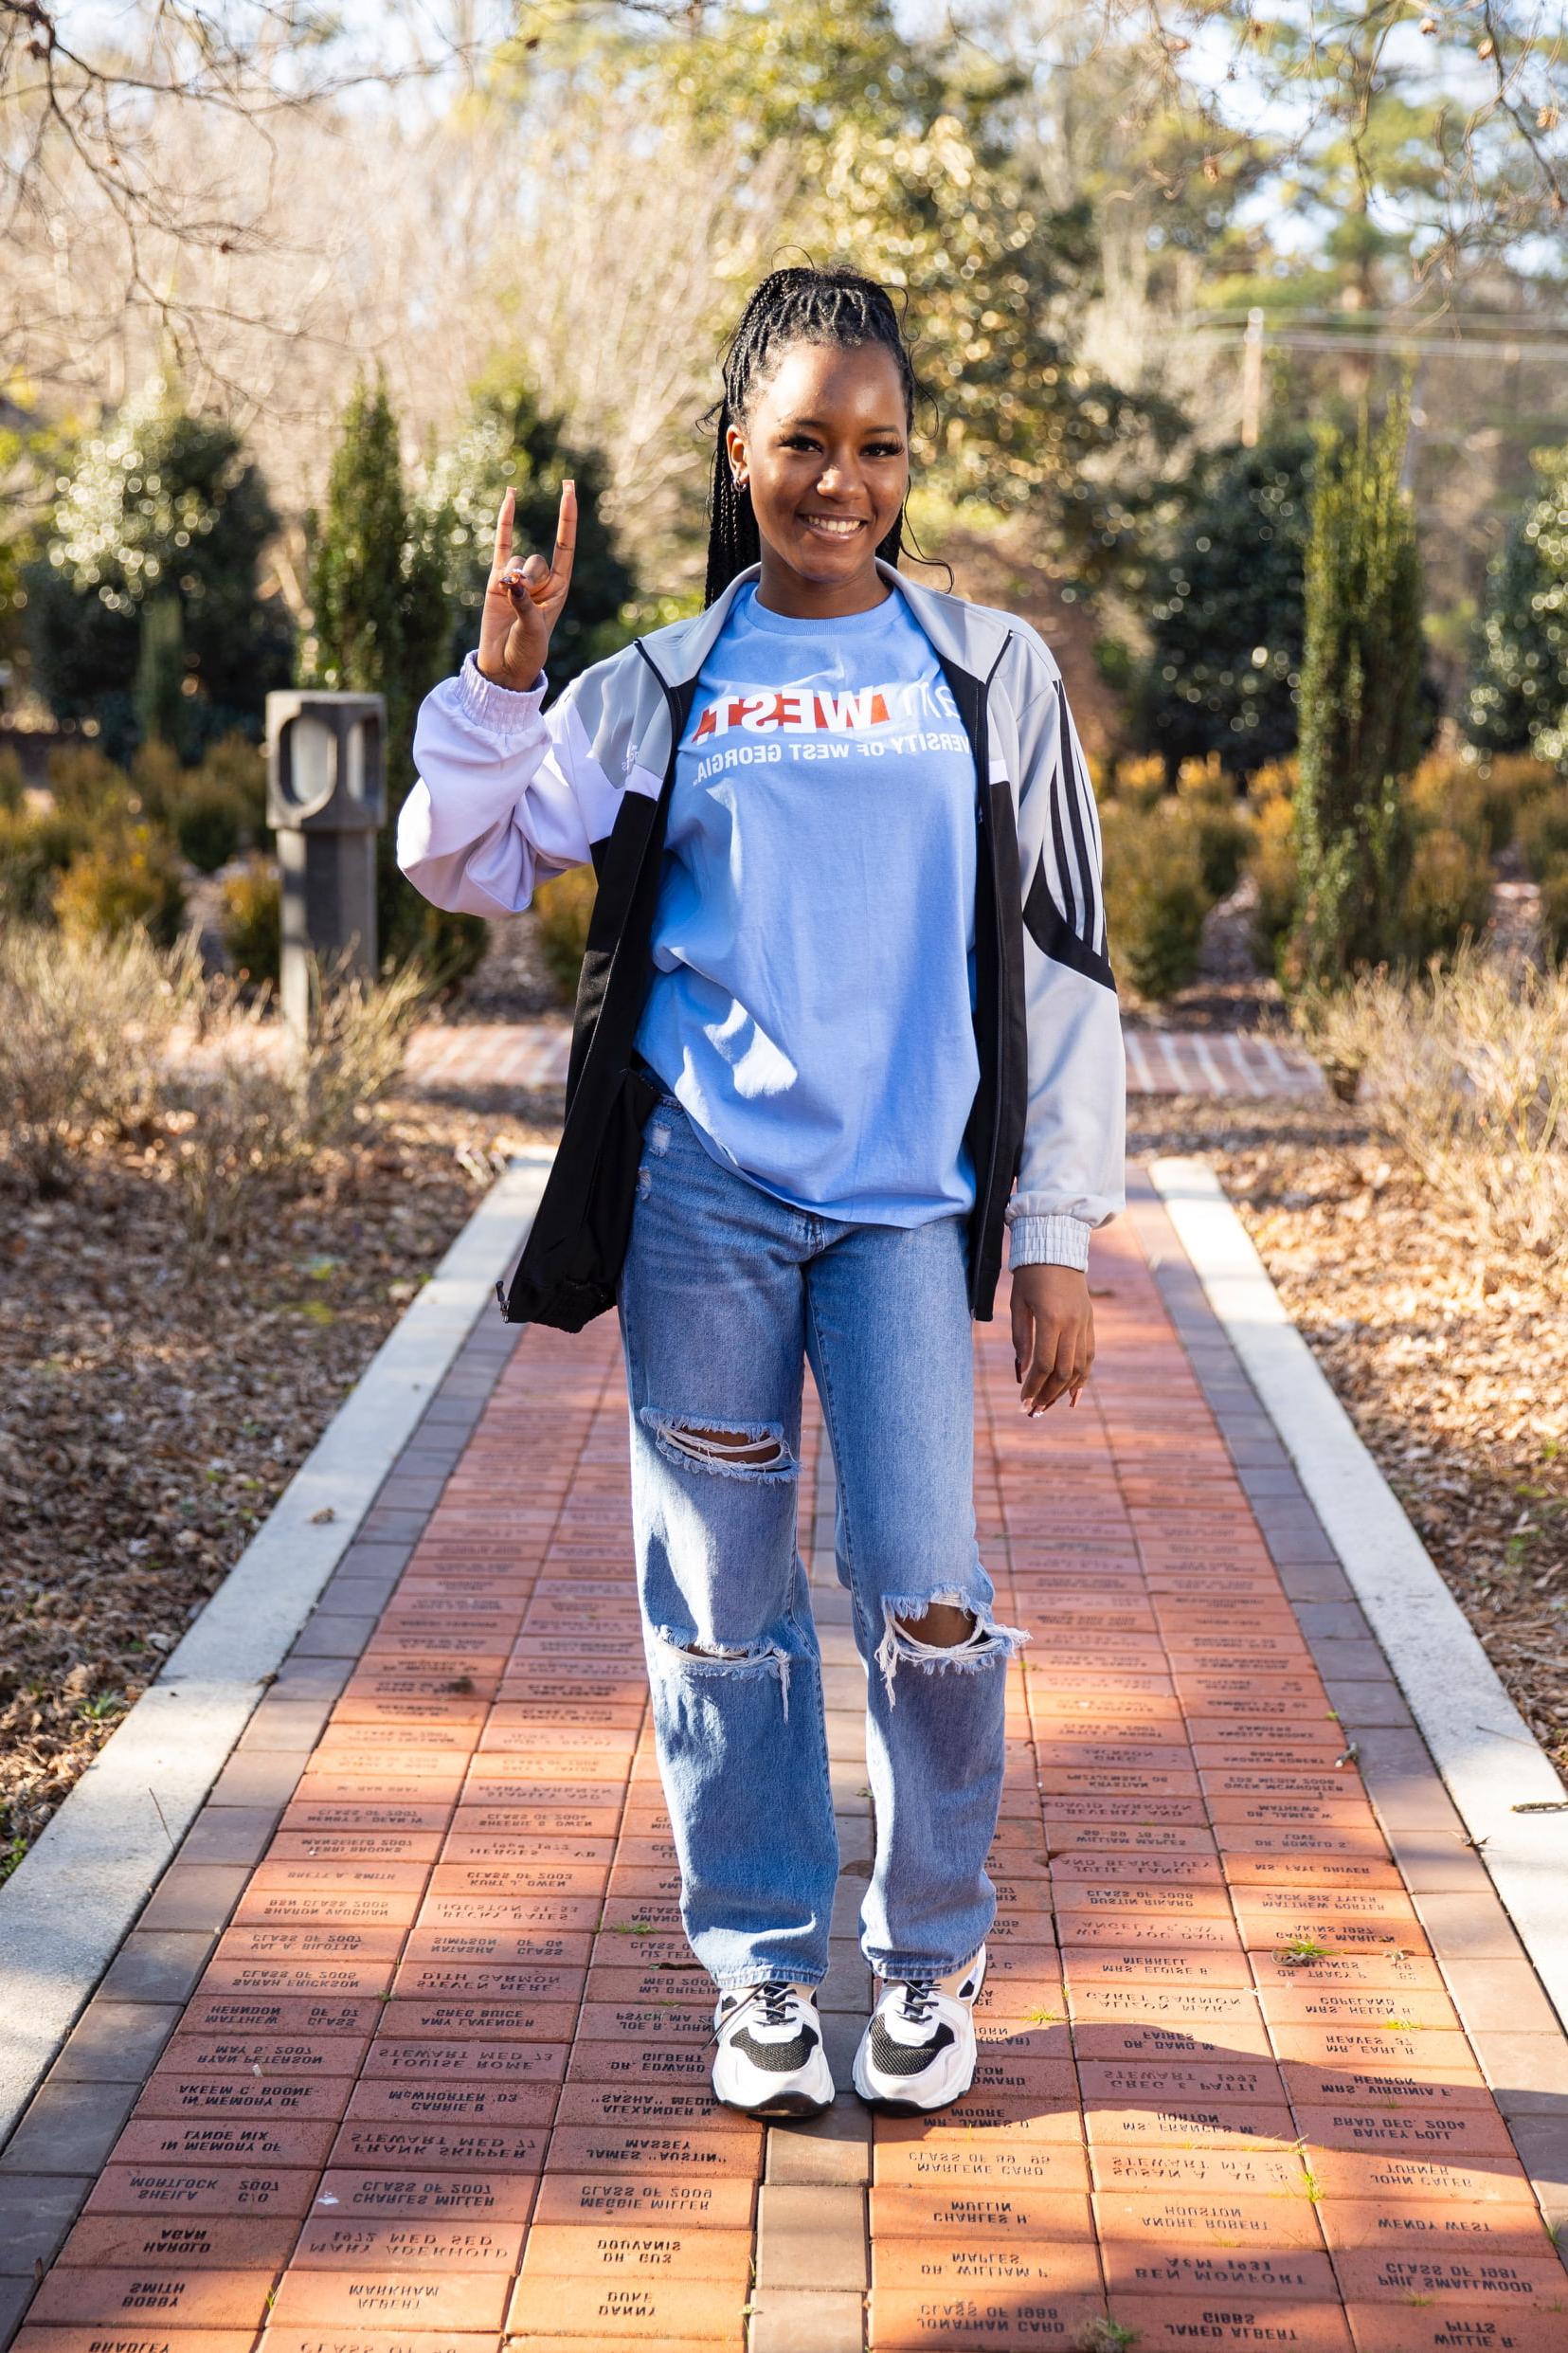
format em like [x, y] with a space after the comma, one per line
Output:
[885, 2104]
[794, 2104]
[796, 2101]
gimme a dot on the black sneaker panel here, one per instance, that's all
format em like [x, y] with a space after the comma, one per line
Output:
[777, 2058]
[906, 2058]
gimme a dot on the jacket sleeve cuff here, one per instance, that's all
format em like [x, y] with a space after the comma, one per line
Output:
[503, 709]
[1049, 1241]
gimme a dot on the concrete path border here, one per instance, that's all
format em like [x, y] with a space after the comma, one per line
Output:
[1482, 1745]
[66, 1908]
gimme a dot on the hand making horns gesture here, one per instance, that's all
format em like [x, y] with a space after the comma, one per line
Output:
[523, 601]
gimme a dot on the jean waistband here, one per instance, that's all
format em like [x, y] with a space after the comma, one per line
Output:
[646, 1070]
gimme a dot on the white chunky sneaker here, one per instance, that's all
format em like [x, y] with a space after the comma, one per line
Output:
[770, 2059]
[918, 2049]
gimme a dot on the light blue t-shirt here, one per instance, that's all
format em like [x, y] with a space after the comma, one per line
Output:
[812, 1000]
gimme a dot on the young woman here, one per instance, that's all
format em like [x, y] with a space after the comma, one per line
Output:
[847, 986]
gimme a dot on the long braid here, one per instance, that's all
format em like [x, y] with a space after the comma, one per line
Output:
[790, 306]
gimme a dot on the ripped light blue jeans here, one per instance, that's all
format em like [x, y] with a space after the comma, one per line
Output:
[726, 1292]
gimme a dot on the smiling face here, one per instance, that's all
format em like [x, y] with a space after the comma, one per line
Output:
[825, 450]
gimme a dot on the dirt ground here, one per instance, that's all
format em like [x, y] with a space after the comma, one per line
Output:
[150, 1419]
[1450, 1357]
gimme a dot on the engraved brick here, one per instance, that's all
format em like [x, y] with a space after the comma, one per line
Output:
[614, 2309]
[337, 2241]
[159, 2296]
[1167, 2323]
[1471, 2327]
[590, 2149]
[186, 2189]
[501, 2197]
[985, 2214]
[983, 2267]
[632, 2251]
[687, 2204]
[515, 2147]
[416, 2300]
[167, 2241]
[175, 2143]
[1132, 2268]
[902, 2321]
[1207, 2219]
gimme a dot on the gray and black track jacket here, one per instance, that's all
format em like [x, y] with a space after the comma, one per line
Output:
[509, 793]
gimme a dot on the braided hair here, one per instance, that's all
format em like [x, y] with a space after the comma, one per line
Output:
[790, 306]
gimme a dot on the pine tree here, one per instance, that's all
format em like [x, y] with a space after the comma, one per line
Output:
[1358, 705]
[1226, 640]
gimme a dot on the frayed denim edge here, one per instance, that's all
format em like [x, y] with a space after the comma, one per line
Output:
[697, 1658]
[664, 1426]
[900, 1647]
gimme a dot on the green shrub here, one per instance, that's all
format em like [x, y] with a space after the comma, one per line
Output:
[36, 846]
[564, 906]
[1272, 866]
[239, 767]
[1272, 856]
[1359, 703]
[252, 921]
[1155, 894]
[1553, 913]
[208, 825]
[127, 877]
[1138, 782]
[85, 782]
[14, 783]
[1448, 892]
[158, 778]
[1225, 829]
[1511, 780]
[1449, 792]
[1543, 832]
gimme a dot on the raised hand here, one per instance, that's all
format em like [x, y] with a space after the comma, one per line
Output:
[523, 601]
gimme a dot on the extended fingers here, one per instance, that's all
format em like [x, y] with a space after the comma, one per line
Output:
[503, 530]
[543, 583]
[566, 532]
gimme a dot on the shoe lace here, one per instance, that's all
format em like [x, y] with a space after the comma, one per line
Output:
[919, 1999]
[778, 2003]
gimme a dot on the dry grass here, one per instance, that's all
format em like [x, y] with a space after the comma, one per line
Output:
[251, 1117]
[1466, 1072]
[84, 1024]
[1448, 1349]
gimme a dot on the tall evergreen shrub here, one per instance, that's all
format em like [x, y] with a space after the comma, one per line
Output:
[379, 626]
[1359, 706]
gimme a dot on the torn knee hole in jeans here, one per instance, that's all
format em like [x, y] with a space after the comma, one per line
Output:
[731, 1449]
[987, 1644]
[723, 1658]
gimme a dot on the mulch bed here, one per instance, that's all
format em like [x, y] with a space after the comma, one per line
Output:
[150, 1417]
[1449, 1353]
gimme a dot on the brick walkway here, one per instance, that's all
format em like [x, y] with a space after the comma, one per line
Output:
[469, 1056]
[405, 2054]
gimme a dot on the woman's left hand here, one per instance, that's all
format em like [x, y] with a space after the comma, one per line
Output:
[1052, 1334]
